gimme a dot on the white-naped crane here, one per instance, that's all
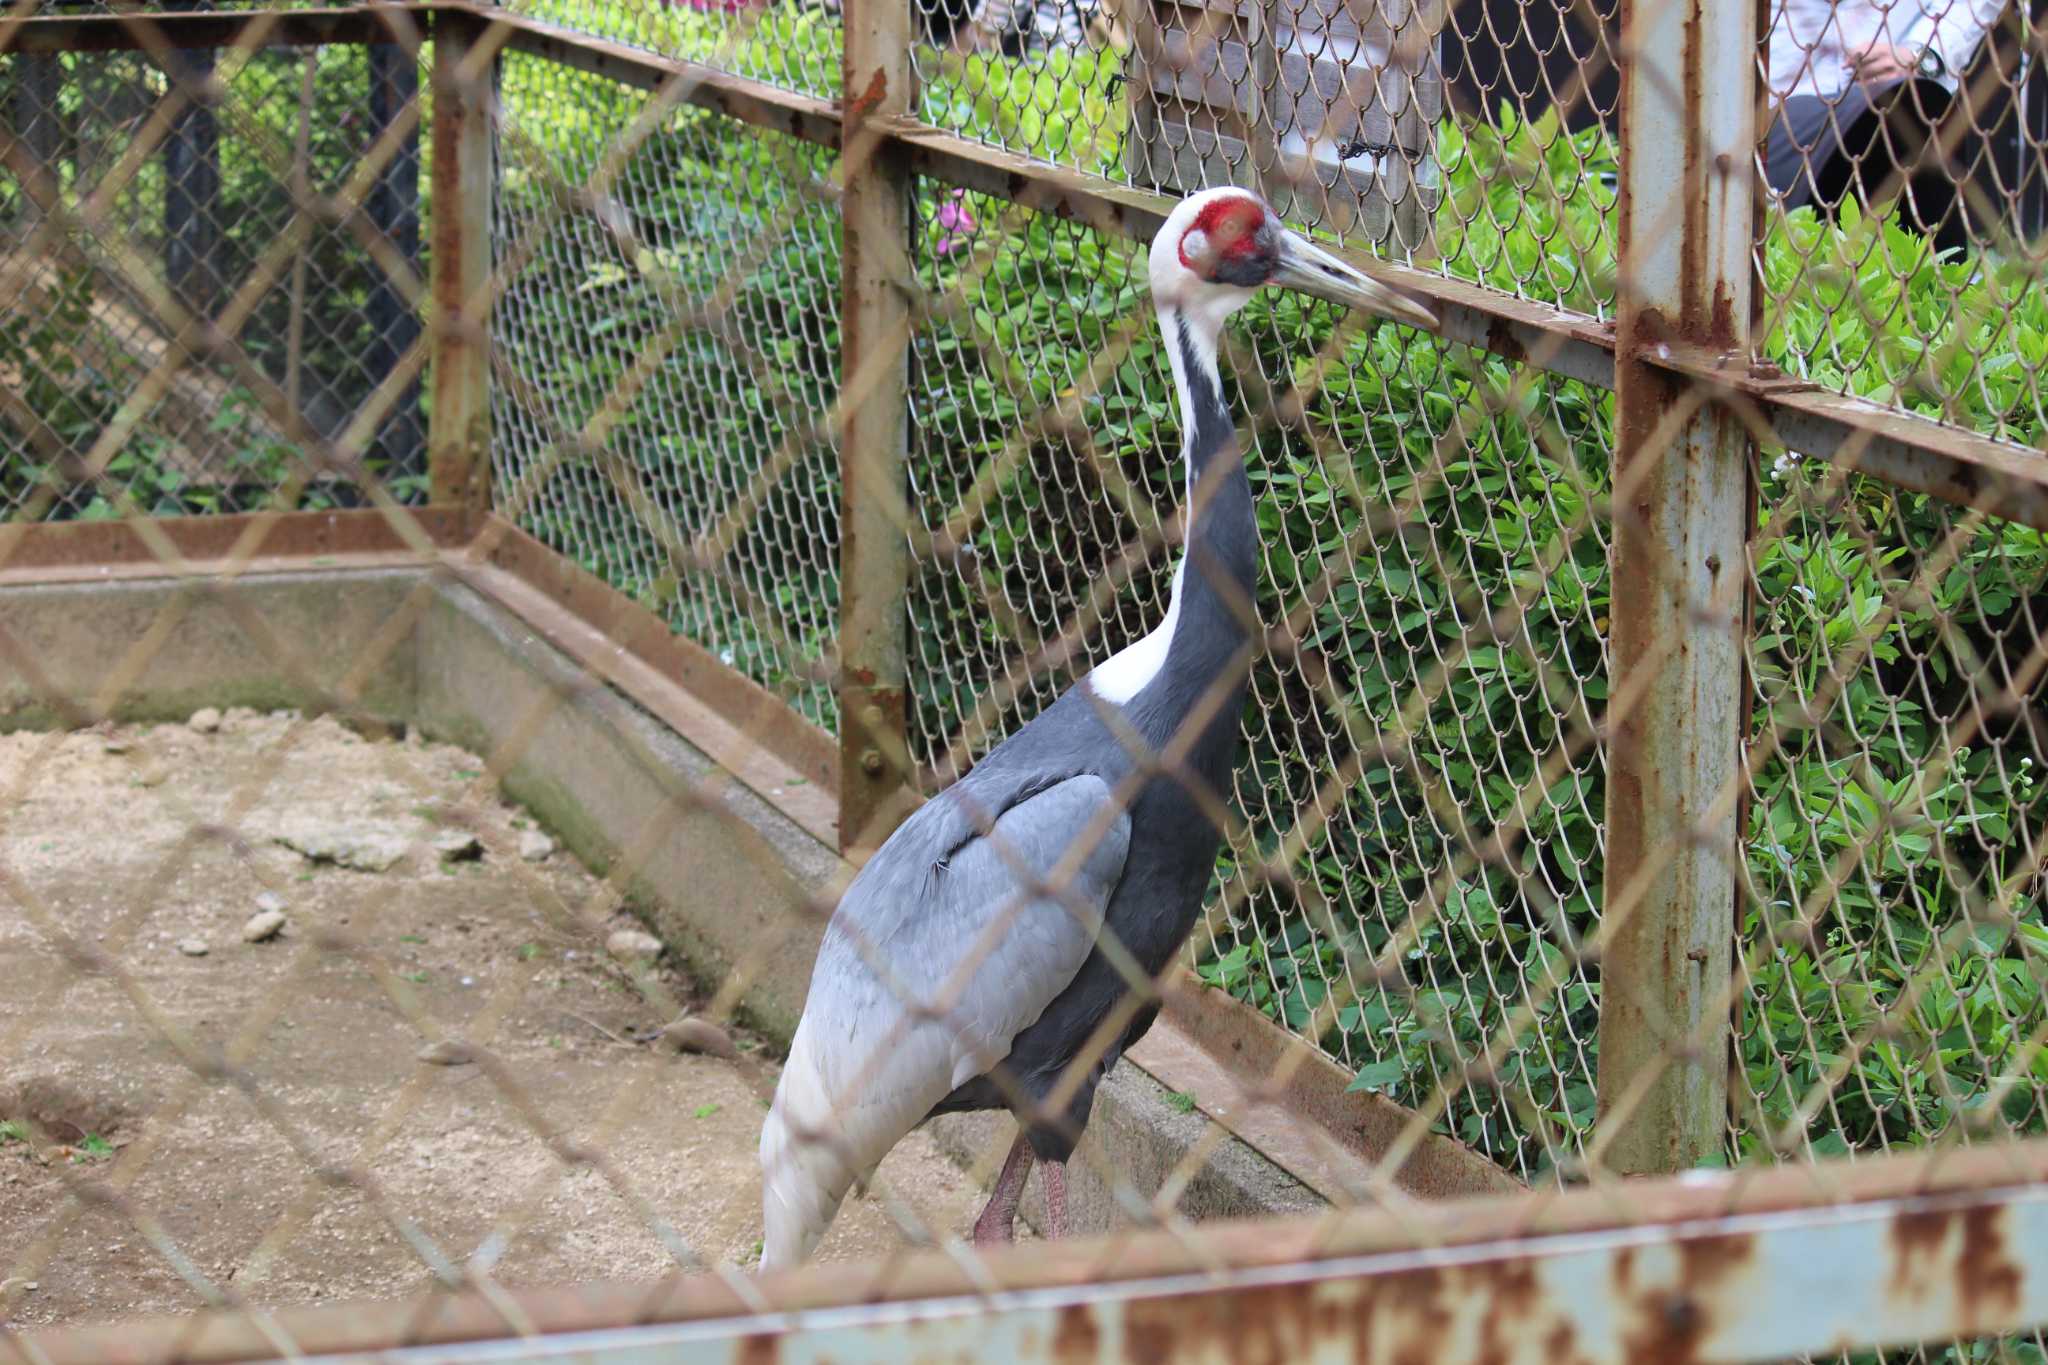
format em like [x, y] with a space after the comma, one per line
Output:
[970, 964]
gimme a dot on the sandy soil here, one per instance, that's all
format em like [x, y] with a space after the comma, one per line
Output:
[139, 841]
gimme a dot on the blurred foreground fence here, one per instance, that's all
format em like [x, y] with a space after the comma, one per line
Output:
[1646, 747]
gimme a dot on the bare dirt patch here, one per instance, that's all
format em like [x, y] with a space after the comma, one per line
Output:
[336, 1156]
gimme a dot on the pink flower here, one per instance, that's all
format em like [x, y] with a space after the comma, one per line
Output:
[956, 222]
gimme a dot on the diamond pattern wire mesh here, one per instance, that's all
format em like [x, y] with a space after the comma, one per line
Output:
[736, 541]
[1921, 133]
[795, 45]
[80, 332]
[1895, 825]
[1415, 880]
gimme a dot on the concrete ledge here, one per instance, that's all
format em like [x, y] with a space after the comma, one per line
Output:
[171, 647]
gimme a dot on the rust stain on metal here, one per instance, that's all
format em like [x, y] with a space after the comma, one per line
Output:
[1670, 1324]
[1076, 1339]
[764, 1348]
[1502, 341]
[1516, 1301]
[1149, 1334]
[869, 99]
[1987, 1278]
[1917, 1238]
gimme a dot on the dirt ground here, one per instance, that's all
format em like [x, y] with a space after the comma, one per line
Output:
[145, 844]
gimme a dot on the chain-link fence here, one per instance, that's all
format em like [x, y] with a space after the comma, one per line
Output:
[85, 326]
[1622, 737]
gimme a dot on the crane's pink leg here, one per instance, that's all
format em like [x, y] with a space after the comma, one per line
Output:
[1055, 1199]
[997, 1223]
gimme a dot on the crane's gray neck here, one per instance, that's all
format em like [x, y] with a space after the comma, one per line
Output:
[1206, 622]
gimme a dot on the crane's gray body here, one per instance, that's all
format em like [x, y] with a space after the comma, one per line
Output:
[965, 967]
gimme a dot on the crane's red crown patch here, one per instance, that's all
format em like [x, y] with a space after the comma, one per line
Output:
[1229, 226]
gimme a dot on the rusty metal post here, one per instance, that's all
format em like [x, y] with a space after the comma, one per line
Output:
[459, 429]
[874, 550]
[1682, 472]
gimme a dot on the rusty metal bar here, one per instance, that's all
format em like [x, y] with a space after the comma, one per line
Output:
[1681, 519]
[874, 553]
[203, 29]
[1733, 1289]
[1571, 344]
[73, 551]
[749, 101]
[1900, 448]
[1711, 1266]
[459, 430]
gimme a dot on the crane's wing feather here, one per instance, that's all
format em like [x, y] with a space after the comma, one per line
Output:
[953, 939]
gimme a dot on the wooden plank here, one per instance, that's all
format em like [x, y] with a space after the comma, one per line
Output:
[744, 728]
[636, 631]
[1294, 1103]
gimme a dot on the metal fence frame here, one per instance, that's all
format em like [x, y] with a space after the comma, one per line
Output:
[1678, 357]
[1715, 1266]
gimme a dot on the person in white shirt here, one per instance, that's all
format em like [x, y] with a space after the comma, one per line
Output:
[1856, 87]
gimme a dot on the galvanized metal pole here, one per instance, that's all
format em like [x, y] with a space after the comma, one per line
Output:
[459, 429]
[874, 550]
[1683, 478]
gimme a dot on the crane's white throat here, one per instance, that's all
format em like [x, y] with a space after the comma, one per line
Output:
[1129, 671]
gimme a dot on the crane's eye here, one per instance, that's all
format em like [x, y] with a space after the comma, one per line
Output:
[1231, 242]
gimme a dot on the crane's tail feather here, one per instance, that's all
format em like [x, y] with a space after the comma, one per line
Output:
[804, 1181]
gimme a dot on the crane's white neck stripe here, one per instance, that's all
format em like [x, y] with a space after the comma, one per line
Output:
[1130, 670]
[1190, 340]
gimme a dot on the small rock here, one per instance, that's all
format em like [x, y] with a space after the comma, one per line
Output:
[263, 926]
[457, 846]
[536, 847]
[193, 947]
[15, 1286]
[447, 1052]
[205, 720]
[366, 848]
[117, 744]
[688, 1034]
[270, 902]
[153, 774]
[628, 944]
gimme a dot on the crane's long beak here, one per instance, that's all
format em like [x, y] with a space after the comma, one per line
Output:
[1304, 265]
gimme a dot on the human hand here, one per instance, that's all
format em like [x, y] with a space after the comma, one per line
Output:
[1881, 63]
